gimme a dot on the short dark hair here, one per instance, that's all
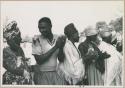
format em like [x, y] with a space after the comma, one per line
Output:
[45, 19]
[69, 30]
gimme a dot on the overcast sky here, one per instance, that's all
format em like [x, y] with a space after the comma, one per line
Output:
[81, 13]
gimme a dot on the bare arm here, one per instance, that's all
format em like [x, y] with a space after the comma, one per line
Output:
[61, 55]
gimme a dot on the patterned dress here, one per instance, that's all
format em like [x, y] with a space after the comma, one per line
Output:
[14, 65]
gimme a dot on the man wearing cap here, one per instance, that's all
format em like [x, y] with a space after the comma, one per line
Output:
[72, 67]
[93, 57]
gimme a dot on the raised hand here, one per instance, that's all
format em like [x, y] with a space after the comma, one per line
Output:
[35, 39]
[60, 41]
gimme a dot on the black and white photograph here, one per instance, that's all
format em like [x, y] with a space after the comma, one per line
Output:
[62, 43]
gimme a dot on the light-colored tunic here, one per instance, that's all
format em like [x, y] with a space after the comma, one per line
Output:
[72, 67]
[113, 65]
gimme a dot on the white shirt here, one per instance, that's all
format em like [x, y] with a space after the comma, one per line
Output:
[72, 66]
[42, 46]
[113, 64]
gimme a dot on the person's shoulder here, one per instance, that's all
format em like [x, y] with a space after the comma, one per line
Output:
[67, 44]
[112, 47]
[56, 35]
[82, 44]
[105, 44]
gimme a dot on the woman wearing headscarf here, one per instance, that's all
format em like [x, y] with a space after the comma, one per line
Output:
[14, 61]
[93, 58]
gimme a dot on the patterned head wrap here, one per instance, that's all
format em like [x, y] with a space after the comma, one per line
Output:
[11, 30]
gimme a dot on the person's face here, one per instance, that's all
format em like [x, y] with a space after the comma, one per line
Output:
[76, 36]
[44, 28]
[17, 39]
[15, 42]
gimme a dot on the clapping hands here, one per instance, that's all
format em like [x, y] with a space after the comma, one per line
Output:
[92, 53]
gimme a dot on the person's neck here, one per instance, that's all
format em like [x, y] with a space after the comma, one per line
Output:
[50, 37]
[72, 41]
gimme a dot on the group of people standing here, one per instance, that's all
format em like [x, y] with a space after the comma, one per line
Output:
[59, 62]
